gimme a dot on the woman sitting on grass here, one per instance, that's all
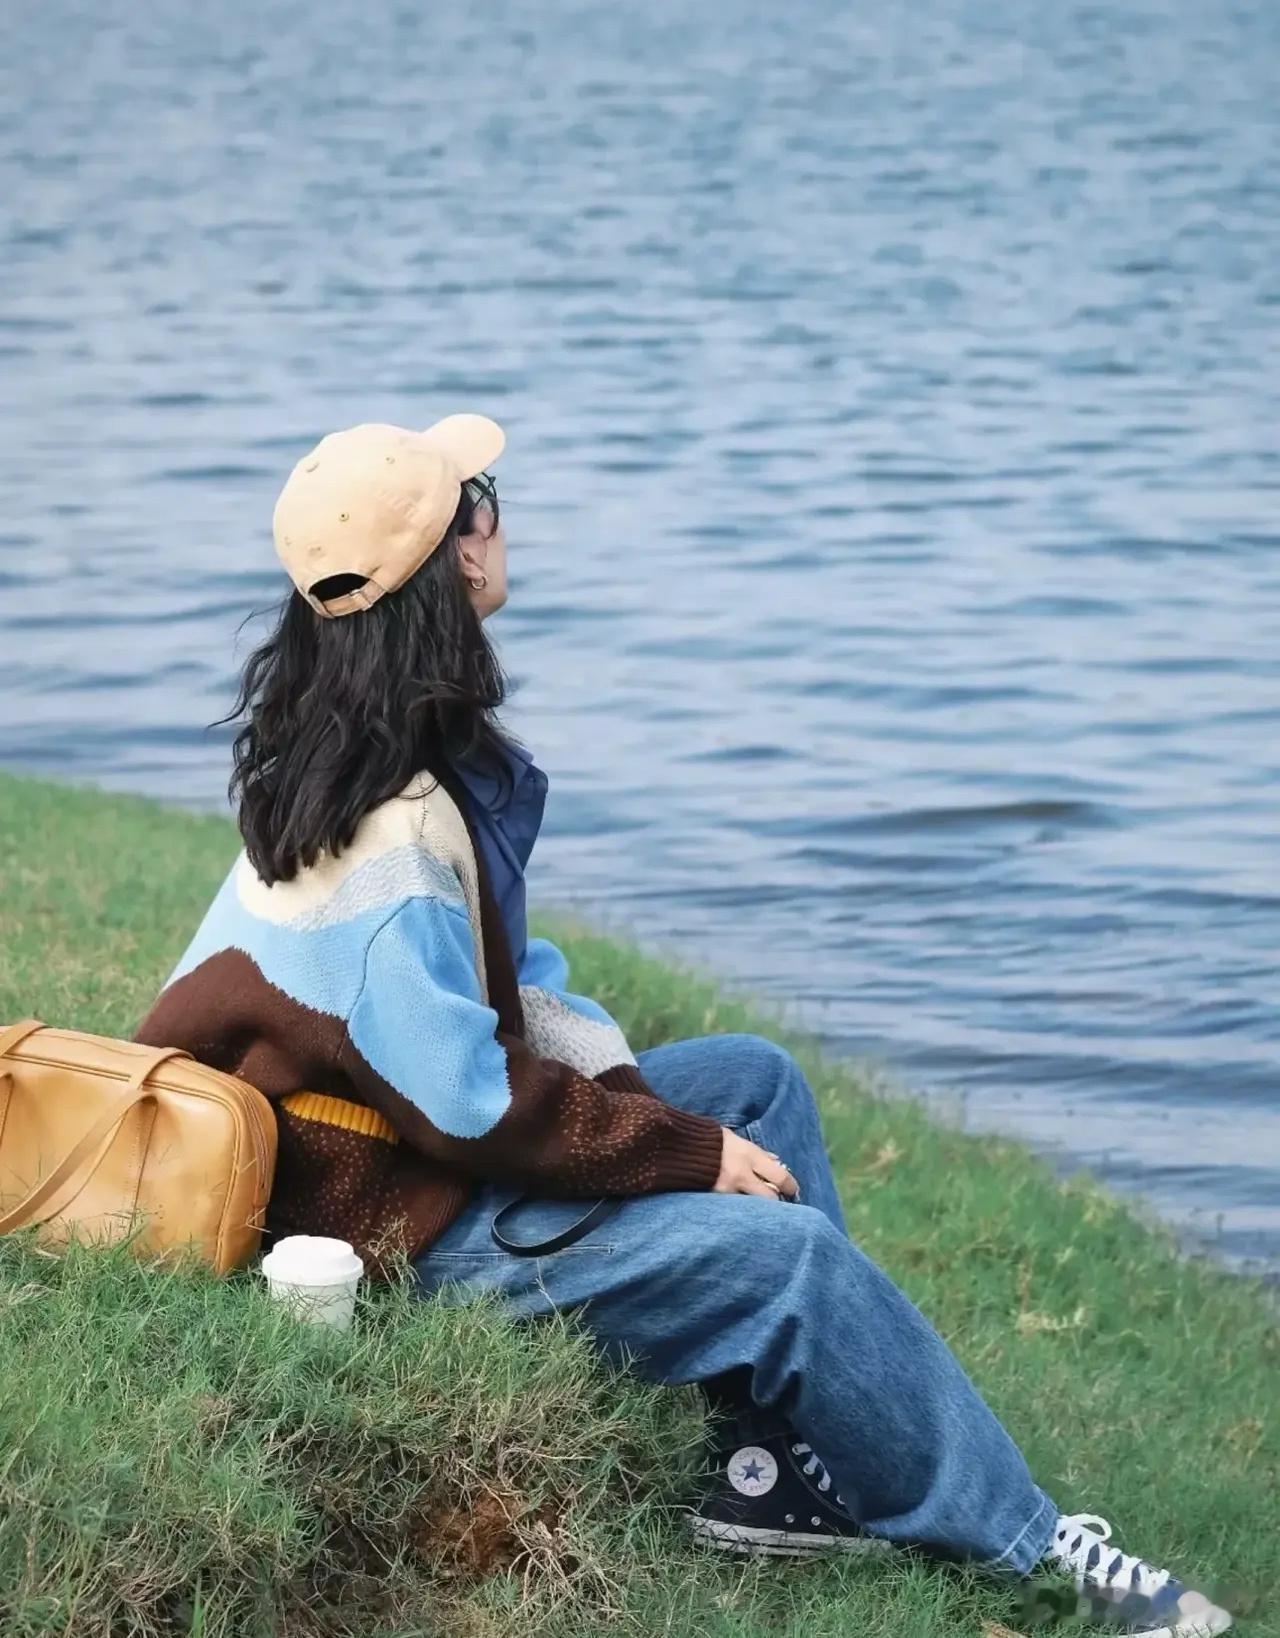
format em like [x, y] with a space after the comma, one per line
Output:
[366, 964]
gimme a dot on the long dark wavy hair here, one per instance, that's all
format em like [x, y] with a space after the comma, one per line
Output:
[342, 713]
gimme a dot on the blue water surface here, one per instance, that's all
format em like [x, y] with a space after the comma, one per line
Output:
[893, 485]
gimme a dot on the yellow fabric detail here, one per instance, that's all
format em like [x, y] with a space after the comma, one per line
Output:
[352, 1117]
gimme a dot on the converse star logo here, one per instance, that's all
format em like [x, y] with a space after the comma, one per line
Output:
[752, 1471]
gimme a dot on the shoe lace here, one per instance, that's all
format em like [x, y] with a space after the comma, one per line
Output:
[1082, 1541]
[815, 1465]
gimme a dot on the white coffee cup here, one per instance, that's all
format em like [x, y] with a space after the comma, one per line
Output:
[315, 1276]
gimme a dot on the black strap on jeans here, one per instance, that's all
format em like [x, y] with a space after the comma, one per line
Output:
[597, 1214]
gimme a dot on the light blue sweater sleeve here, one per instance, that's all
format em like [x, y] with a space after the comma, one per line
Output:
[420, 1024]
[561, 1024]
[423, 1048]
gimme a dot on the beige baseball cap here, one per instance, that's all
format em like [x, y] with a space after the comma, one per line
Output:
[377, 500]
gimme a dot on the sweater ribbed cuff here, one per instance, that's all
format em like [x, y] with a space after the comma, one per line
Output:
[690, 1147]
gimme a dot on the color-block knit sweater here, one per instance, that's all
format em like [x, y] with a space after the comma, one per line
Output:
[373, 1000]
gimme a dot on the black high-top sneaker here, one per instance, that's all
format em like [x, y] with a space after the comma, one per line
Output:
[775, 1497]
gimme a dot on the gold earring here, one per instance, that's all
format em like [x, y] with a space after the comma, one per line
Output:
[479, 583]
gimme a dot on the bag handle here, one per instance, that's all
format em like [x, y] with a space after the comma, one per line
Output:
[13, 1033]
[27, 1210]
[9, 1038]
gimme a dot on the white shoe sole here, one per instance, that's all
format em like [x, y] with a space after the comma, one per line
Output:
[1207, 1625]
[746, 1538]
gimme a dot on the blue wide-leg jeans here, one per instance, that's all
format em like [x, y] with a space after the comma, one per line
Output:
[769, 1302]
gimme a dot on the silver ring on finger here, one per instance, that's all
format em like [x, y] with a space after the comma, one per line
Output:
[795, 1195]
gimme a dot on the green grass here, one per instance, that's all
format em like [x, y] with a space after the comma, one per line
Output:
[177, 1457]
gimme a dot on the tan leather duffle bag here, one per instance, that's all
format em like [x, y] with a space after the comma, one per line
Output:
[94, 1130]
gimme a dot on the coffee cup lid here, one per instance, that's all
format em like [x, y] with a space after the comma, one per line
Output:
[312, 1259]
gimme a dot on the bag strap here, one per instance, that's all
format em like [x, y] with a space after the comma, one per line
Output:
[9, 1038]
[567, 1237]
[13, 1033]
[29, 1210]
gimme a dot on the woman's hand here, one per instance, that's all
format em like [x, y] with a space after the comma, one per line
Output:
[746, 1168]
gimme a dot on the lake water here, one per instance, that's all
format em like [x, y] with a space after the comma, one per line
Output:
[893, 486]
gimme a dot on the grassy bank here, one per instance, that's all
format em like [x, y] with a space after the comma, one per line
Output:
[176, 1457]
